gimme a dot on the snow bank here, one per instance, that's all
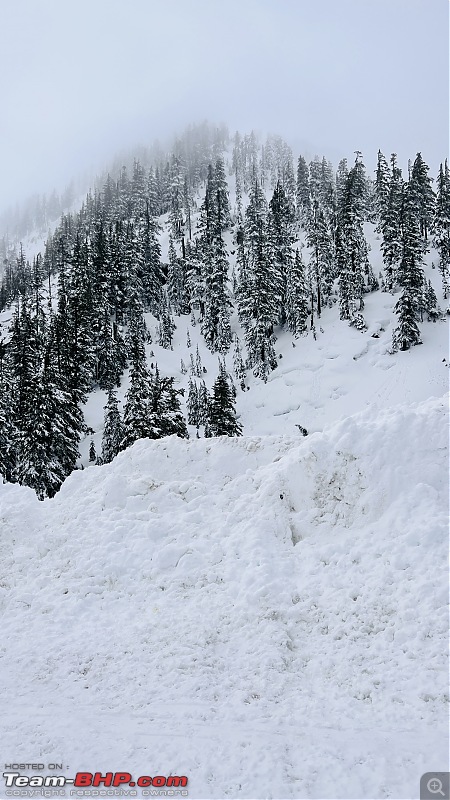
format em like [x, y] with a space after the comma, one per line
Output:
[265, 615]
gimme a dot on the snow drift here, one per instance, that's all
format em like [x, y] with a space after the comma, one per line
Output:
[266, 615]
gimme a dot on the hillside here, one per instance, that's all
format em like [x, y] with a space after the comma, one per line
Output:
[266, 613]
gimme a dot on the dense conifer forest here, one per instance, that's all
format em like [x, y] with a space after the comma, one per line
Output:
[79, 309]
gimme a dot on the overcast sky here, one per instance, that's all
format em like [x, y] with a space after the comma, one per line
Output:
[81, 80]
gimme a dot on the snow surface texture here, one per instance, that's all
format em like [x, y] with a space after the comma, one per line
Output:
[264, 615]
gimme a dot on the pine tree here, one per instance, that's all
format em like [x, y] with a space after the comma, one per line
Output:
[391, 225]
[165, 406]
[320, 241]
[167, 325]
[113, 431]
[198, 363]
[351, 245]
[138, 191]
[259, 294]
[410, 273]
[175, 279]
[280, 238]
[152, 278]
[203, 404]
[238, 363]
[297, 295]
[111, 352]
[407, 333]
[221, 195]
[221, 419]
[195, 278]
[216, 321]
[136, 418]
[92, 453]
[176, 219]
[382, 189]
[430, 301]
[215, 303]
[154, 208]
[192, 404]
[49, 433]
[8, 430]
[77, 341]
[442, 226]
[424, 196]
[341, 184]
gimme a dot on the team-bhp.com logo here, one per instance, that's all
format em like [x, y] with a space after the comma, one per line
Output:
[95, 784]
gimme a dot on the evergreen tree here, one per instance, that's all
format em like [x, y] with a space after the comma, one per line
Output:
[167, 325]
[8, 430]
[407, 333]
[424, 196]
[203, 404]
[175, 279]
[176, 219]
[410, 273]
[430, 301]
[391, 225]
[165, 407]
[136, 418]
[154, 205]
[216, 321]
[382, 189]
[320, 241]
[351, 245]
[259, 293]
[297, 294]
[221, 196]
[113, 431]
[280, 238]
[92, 453]
[138, 191]
[192, 404]
[221, 419]
[49, 433]
[341, 184]
[77, 327]
[111, 352]
[238, 363]
[195, 278]
[152, 278]
[442, 226]
[198, 363]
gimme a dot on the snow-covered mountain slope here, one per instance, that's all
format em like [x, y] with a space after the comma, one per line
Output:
[264, 615]
[318, 380]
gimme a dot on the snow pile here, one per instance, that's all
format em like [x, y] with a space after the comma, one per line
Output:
[264, 615]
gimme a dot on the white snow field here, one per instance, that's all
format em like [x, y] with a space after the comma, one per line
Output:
[265, 615]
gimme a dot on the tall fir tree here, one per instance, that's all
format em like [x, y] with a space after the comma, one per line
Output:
[192, 404]
[391, 225]
[423, 193]
[280, 238]
[407, 333]
[297, 295]
[259, 294]
[351, 245]
[221, 418]
[136, 418]
[442, 226]
[113, 430]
